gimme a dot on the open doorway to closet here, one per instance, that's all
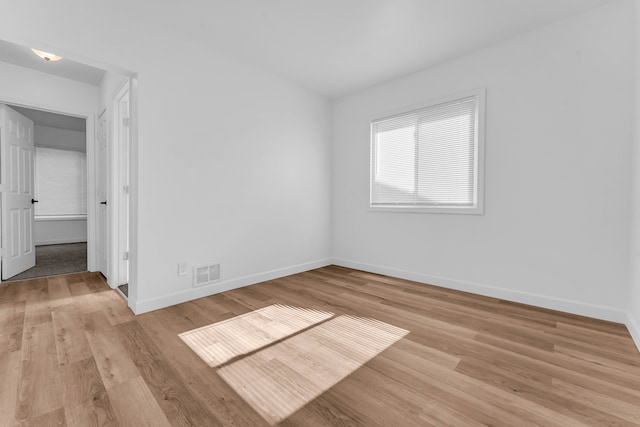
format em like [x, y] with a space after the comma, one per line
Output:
[104, 97]
[59, 194]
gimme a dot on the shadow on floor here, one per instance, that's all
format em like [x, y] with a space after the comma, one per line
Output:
[124, 289]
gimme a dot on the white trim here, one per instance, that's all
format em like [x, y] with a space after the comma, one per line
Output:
[60, 241]
[89, 143]
[118, 171]
[633, 325]
[52, 147]
[145, 305]
[424, 209]
[133, 191]
[568, 306]
[428, 103]
[45, 218]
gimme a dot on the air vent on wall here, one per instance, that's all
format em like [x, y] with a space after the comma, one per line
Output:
[206, 274]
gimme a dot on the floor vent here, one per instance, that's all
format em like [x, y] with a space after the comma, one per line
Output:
[206, 274]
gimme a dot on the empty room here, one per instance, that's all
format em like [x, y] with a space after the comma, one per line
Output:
[325, 213]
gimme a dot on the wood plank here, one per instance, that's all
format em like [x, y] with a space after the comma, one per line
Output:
[111, 357]
[58, 291]
[115, 307]
[135, 406]
[72, 353]
[40, 389]
[204, 382]
[175, 399]
[54, 418]
[85, 398]
[9, 292]
[599, 401]
[78, 288]
[537, 393]
[10, 365]
[627, 380]
[71, 341]
[11, 327]
[95, 282]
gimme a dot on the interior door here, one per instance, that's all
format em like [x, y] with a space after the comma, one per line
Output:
[102, 154]
[17, 162]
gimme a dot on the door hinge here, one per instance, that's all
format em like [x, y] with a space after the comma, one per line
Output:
[125, 256]
[125, 121]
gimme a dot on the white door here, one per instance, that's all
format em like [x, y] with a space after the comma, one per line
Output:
[102, 154]
[17, 162]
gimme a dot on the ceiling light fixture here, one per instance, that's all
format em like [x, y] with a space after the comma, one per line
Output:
[46, 55]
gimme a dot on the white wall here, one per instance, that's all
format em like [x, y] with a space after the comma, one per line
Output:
[62, 139]
[633, 323]
[234, 169]
[233, 162]
[53, 232]
[558, 143]
[22, 86]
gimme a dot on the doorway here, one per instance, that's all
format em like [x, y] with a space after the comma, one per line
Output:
[76, 89]
[58, 171]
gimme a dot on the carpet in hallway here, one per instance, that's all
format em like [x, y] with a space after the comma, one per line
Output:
[53, 260]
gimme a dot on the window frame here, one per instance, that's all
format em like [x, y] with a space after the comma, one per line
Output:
[479, 149]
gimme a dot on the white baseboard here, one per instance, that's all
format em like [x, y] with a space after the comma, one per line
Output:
[61, 241]
[633, 325]
[565, 305]
[560, 304]
[157, 303]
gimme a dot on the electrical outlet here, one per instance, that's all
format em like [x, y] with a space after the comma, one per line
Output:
[182, 269]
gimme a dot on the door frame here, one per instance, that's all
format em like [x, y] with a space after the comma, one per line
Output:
[115, 215]
[90, 117]
[105, 241]
[90, 145]
[120, 177]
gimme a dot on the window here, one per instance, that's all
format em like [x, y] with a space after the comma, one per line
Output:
[430, 159]
[60, 182]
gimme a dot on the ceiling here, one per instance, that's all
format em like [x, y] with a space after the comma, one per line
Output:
[44, 118]
[24, 57]
[334, 47]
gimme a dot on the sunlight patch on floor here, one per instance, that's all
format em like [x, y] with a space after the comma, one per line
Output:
[313, 352]
[220, 342]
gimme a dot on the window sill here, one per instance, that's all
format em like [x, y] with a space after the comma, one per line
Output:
[43, 218]
[434, 210]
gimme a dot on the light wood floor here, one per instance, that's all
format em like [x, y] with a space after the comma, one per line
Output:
[71, 353]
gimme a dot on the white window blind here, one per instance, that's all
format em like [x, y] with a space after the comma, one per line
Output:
[60, 182]
[429, 158]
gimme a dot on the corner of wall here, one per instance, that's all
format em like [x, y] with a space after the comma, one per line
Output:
[633, 313]
[568, 306]
[633, 325]
[163, 301]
